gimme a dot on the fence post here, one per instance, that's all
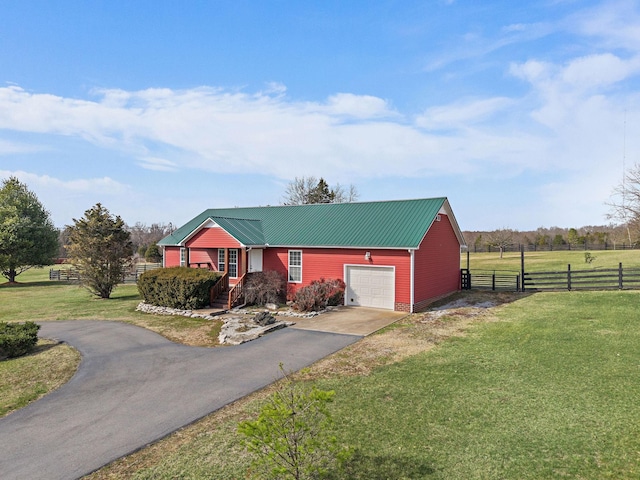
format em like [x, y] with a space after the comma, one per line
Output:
[522, 267]
[493, 281]
[620, 275]
[569, 276]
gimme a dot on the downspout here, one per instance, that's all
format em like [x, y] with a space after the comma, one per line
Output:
[412, 294]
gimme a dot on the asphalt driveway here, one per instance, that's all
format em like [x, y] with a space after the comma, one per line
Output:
[134, 387]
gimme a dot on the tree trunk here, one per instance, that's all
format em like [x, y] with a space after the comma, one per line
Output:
[12, 275]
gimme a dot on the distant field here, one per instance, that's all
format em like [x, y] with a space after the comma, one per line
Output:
[546, 261]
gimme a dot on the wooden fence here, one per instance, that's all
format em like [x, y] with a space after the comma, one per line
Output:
[532, 247]
[596, 279]
[71, 274]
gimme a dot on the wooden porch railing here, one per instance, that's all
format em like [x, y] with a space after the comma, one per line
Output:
[222, 285]
[236, 292]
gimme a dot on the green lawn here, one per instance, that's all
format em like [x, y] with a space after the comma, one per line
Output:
[550, 261]
[36, 298]
[25, 379]
[545, 387]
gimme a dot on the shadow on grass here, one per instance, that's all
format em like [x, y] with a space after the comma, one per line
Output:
[383, 467]
[133, 296]
[43, 283]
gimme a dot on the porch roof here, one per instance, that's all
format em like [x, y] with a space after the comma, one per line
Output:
[247, 231]
[389, 224]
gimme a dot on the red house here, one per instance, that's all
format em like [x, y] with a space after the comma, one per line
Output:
[399, 255]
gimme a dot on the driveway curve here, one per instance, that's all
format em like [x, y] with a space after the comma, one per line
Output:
[134, 387]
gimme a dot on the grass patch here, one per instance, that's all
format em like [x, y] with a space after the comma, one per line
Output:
[37, 299]
[541, 387]
[27, 378]
[548, 261]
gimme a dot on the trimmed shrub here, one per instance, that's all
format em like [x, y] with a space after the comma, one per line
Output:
[264, 287]
[177, 287]
[17, 339]
[319, 294]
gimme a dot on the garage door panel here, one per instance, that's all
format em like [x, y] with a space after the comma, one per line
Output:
[371, 286]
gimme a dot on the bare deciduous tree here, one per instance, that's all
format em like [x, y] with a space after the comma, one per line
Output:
[501, 239]
[625, 203]
[307, 190]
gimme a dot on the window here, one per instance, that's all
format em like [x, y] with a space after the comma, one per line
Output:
[183, 257]
[233, 263]
[295, 266]
[221, 259]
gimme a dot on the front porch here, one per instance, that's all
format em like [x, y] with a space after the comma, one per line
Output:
[233, 263]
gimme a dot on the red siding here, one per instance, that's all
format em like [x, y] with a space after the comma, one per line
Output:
[172, 256]
[204, 255]
[329, 263]
[212, 238]
[437, 264]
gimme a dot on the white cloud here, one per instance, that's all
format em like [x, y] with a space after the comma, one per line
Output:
[103, 185]
[158, 164]
[616, 24]
[358, 106]
[462, 114]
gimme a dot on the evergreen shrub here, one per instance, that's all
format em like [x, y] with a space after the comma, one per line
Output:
[17, 339]
[177, 287]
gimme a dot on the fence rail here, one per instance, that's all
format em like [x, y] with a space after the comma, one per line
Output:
[597, 279]
[491, 280]
[71, 274]
[532, 247]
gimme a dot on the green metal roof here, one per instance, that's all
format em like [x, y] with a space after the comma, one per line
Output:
[388, 224]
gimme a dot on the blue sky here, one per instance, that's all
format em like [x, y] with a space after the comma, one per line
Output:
[521, 113]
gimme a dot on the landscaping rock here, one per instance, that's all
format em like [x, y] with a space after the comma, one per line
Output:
[237, 330]
[263, 319]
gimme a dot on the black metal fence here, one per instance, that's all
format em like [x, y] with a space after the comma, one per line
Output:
[490, 280]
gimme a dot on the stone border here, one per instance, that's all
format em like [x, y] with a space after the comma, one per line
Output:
[148, 308]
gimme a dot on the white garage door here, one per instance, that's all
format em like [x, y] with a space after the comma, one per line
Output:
[370, 286]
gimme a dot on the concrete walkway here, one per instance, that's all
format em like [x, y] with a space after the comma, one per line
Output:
[134, 387]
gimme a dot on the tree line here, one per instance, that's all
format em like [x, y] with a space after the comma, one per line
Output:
[553, 238]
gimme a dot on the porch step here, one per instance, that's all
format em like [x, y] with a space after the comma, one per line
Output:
[220, 303]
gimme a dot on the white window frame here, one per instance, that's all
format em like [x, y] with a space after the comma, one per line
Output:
[233, 266]
[183, 257]
[221, 260]
[295, 267]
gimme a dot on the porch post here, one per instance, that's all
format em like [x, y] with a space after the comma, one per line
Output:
[244, 261]
[226, 260]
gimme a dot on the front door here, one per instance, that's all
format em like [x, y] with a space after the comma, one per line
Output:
[255, 260]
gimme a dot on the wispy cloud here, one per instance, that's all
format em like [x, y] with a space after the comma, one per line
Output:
[104, 185]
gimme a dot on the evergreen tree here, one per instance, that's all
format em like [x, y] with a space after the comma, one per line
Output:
[101, 249]
[27, 235]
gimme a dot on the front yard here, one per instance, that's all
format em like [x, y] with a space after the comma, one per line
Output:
[525, 387]
[542, 386]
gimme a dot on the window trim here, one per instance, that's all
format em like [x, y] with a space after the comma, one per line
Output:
[235, 264]
[183, 256]
[293, 267]
[221, 263]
